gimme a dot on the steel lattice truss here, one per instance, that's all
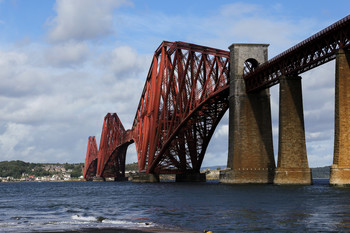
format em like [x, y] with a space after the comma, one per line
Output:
[115, 164]
[310, 53]
[91, 159]
[111, 154]
[184, 98]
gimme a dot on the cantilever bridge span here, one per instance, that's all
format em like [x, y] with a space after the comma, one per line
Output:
[187, 93]
[183, 100]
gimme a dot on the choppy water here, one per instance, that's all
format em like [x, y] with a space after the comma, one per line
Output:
[28, 207]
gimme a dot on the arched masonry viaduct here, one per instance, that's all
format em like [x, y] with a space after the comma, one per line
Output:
[250, 154]
[250, 157]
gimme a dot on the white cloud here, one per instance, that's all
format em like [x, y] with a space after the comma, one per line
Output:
[320, 153]
[232, 23]
[213, 158]
[318, 97]
[34, 144]
[83, 19]
[18, 76]
[13, 137]
[61, 107]
[318, 101]
[8, 59]
[221, 131]
[125, 62]
[251, 23]
[67, 54]
[217, 150]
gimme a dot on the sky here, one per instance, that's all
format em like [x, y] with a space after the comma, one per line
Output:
[65, 64]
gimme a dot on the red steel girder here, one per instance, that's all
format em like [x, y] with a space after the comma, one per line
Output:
[310, 53]
[90, 159]
[184, 98]
[115, 164]
[112, 136]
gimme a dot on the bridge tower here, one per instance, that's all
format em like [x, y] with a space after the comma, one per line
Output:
[340, 170]
[250, 150]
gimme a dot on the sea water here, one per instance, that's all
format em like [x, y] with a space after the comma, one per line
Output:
[221, 208]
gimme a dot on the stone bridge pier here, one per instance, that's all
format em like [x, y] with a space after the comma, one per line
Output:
[340, 170]
[250, 152]
[250, 149]
[292, 165]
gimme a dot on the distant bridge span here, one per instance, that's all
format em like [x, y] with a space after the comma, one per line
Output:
[185, 96]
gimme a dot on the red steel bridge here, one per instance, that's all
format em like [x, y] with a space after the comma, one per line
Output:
[186, 95]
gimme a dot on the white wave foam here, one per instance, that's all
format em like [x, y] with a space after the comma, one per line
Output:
[85, 219]
[119, 223]
[128, 223]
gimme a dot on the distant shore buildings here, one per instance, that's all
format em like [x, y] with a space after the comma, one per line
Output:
[56, 173]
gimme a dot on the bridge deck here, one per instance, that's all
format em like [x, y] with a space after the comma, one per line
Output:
[310, 53]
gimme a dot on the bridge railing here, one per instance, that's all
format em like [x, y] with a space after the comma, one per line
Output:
[310, 53]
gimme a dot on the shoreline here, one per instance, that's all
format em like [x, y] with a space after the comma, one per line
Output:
[39, 181]
[122, 230]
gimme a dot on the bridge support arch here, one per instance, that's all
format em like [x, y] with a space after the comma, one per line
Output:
[250, 151]
[340, 170]
[292, 166]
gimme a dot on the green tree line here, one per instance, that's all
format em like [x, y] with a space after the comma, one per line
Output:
[321, 172]
[17, 168]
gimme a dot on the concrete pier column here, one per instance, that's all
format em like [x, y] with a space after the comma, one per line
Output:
[98, 178]
[292, 166]
[250, 152]
[145, 178]
[340, 170]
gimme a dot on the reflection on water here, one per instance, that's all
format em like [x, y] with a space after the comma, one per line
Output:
[221, 208]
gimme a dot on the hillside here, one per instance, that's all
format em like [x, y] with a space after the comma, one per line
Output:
[320, 172]
[18, 169]
[132, 167]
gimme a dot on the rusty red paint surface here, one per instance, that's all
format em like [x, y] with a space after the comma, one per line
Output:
[91, 159]
[184, 98]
